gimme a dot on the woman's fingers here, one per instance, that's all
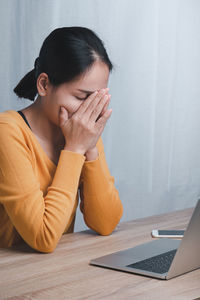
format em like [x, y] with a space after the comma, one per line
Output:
[63, 116]
[90, 103]
[103, 119]
[86, 103]
[95, 113]
[105, 107]
[92, 106]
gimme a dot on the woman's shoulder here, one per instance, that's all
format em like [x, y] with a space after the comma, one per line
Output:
[13, 133]
[11, 122]
[9, 117]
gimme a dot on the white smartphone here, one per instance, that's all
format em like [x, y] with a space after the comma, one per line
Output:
[167, 233]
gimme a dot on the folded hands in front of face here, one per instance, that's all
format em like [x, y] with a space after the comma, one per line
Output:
[83, 129]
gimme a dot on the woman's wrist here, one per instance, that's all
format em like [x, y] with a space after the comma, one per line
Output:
[74, 150]
[91, 154]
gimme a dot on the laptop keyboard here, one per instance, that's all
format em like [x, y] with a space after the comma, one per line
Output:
[157, 264]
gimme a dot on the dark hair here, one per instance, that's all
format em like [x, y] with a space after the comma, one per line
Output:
[65, 54]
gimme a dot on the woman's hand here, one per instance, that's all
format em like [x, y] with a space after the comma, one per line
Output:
[86, 125]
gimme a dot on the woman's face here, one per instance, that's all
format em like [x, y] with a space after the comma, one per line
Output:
[71, 95]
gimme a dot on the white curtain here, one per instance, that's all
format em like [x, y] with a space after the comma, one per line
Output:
[152, 140]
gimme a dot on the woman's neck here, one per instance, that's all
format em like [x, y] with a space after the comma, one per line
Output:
[41, 126]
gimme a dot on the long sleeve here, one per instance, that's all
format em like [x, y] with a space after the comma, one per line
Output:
[39, 219]
[100, 203]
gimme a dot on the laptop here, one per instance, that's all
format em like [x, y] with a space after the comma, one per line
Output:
[164, 258]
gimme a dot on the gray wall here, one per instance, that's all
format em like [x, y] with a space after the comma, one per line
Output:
[152, 140]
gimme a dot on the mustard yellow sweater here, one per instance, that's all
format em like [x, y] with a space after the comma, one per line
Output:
[38, 200]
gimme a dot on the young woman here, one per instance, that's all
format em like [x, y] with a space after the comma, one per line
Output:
[53, 148]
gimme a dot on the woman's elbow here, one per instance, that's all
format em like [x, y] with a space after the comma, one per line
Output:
[105, 232]
[44, 248]
[107, 228]
[46, 245]
[111, 227]
[47, 249]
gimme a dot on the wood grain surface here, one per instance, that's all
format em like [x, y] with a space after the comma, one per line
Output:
[66, 273]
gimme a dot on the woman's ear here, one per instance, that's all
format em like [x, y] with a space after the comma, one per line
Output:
[42, 84]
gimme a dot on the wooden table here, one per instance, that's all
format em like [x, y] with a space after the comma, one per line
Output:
[66, 273]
